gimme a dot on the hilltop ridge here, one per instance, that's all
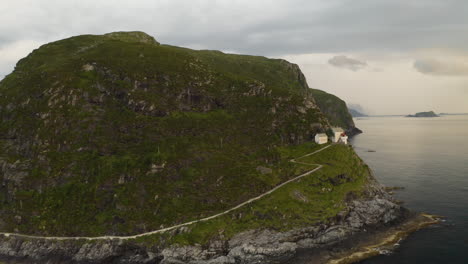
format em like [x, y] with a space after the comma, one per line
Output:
[132, 36]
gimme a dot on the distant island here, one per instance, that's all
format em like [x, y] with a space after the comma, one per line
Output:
[424, 114]
[356, 113]
[453, 114]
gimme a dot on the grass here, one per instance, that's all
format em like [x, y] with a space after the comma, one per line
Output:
[311, 200]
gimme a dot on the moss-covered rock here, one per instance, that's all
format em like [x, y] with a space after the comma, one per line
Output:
[336, 111]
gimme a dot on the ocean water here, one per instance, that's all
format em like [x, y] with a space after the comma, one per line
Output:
[429, 158]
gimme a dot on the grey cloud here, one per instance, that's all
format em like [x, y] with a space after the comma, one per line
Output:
[254, 27]
[347, 63]
[441, 67]
[346, 26]
[269, 28]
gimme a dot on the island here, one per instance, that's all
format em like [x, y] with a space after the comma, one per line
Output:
[118, 149]
[424, 114]
[452, 114]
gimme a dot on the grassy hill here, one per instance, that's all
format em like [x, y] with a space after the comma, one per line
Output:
[118, 134]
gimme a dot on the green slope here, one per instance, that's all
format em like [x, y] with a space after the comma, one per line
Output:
[313, 200]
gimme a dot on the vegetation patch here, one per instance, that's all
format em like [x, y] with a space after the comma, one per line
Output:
[321, 198]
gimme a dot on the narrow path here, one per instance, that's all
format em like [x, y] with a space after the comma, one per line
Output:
[187, 223]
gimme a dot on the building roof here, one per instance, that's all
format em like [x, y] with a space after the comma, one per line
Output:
[322, 135]
[337, 129]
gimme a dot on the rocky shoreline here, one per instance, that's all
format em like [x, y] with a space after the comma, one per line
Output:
[367, 244]
[353, 131]
[382, 241]
[376, 215]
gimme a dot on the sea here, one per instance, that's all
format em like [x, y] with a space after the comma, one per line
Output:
[428, 157]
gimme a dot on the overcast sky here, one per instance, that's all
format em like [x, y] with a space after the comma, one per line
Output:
[389, 56]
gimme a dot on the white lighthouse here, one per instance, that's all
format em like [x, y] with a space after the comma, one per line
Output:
[339, 135]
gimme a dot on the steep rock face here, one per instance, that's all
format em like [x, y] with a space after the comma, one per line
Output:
[336, 111]
[95, 127]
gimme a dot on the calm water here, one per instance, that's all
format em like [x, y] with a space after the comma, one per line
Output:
[429, 157]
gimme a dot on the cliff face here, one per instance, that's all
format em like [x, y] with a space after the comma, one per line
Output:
[336, 111]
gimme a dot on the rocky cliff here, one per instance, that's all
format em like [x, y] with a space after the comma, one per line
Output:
[336, 111]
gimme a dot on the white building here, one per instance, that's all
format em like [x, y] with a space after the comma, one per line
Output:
[321, 138]
[344, 139]
[339, 135]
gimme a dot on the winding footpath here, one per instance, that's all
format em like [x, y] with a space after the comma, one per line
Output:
[319, 166]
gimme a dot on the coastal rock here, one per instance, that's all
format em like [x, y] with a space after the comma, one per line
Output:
[372, 212]
[261, 246]
[52, 251]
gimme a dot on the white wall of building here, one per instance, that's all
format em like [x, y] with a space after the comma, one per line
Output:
[320, 139]
[337, 136]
